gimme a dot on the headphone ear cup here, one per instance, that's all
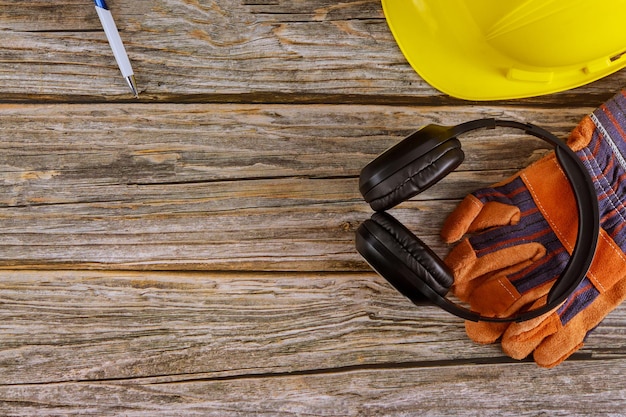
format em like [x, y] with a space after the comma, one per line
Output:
[402, 258]
[409, 179]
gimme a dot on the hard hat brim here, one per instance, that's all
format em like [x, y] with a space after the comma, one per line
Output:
[449, 52]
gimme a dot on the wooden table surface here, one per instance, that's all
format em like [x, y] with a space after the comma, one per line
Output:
[191, 253]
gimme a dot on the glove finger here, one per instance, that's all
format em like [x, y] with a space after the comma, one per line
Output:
[521, 339]
[484, 332]
[602, 290]
[556, 350]
[498, 297]
[570, 336]
[487, 332]
[472, 215]
[545, 337]
[471, 271]
[514, 335]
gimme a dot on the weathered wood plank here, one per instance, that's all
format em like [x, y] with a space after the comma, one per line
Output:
[201, 51]
[77, 15]
[226, 190]
[67, 326]
[94, 343]
[142, 144]
[221, 187]
[577, 389]
[41, 15]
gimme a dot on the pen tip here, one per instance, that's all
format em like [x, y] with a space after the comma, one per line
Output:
[132, 85]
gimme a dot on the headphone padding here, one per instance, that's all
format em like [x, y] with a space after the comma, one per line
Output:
[415, 177]
[412, 252]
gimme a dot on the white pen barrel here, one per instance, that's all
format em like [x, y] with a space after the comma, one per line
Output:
[110, 29]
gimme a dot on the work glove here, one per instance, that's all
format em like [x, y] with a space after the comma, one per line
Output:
[521, 234]
[512, 254]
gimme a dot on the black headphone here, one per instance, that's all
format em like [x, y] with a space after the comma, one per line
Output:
[420, 161]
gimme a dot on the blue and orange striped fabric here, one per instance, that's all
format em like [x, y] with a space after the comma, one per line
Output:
[604, 156]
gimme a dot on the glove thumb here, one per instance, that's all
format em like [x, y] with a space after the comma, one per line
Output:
[472, 215]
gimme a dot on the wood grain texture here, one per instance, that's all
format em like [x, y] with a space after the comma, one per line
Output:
[191, 253]
[472, 389]
[221, 50]
[229, 187]
[84, 343]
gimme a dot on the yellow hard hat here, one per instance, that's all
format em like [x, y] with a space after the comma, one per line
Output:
[504, 49]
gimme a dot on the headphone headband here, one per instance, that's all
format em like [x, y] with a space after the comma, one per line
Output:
[428, 138]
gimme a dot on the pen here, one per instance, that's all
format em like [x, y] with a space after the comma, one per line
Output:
[110, 29]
